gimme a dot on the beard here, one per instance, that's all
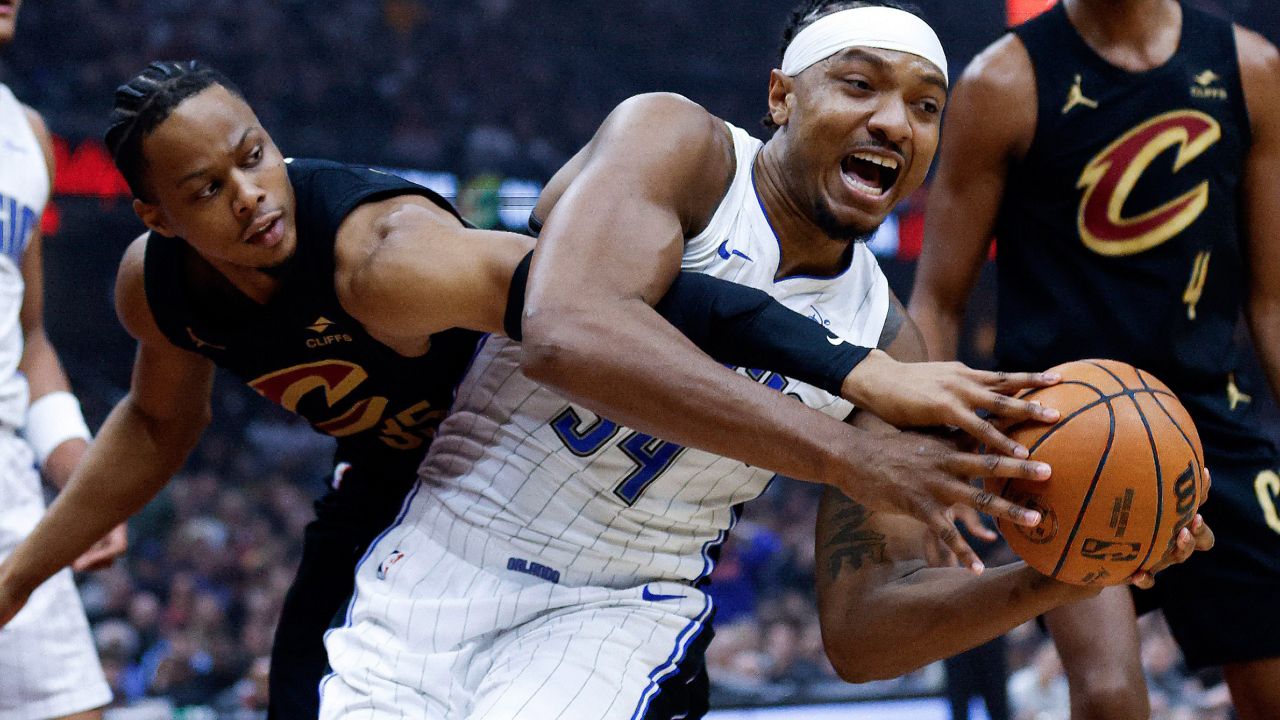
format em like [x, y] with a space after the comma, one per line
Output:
[836, 230]
[283, 268]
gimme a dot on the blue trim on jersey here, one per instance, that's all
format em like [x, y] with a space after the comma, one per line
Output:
[686, 637]
[707, 563]
[346, 618]
[777, 240]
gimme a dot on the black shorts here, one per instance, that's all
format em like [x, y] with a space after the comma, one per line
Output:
[1221, 605]
[347, 521]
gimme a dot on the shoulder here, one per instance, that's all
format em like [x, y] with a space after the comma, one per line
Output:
[996, 97]
[681, 152]
[43, 136]
[675, 121]
[1259, 70]
[1003, 69]
[132, 306]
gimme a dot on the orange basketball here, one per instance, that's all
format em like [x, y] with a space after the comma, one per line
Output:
[1128, 474]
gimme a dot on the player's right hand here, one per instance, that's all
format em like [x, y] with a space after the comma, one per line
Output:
[926, 394]
[105, 551]
[1197, 537]
[923, 477]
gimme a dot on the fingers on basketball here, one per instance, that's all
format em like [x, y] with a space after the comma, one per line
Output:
[1127, 476]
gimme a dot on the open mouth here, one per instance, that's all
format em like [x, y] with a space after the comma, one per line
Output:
[266, 232]
[870, 173]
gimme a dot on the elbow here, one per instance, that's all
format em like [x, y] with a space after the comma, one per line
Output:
[871, 651]
[856, 663]
[552, 345]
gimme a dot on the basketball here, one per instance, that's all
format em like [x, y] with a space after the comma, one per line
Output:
[1128, 474]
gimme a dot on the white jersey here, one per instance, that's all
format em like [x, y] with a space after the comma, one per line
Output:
[520, 478]
[24, 190]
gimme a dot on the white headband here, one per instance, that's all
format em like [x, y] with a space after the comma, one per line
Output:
[884, 28]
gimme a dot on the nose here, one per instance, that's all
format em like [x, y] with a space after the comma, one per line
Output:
[248, 196]
[890, 122]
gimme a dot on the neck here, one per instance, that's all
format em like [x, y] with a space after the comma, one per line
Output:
[256, 285]
[805, 248]
[1135, 34]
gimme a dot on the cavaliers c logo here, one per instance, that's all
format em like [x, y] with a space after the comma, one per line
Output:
[337, 379]
[1109, 178]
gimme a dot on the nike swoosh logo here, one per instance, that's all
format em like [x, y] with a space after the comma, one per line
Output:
[724, 252]
[836, 340]
[657, 597]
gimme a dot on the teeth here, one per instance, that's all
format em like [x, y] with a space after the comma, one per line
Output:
[878, 160]
[856, 182]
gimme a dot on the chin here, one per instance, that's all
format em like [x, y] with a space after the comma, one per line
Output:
[847, 228]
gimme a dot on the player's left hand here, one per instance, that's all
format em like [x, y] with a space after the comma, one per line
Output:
[105, 551]
[948, 393]
[938, 554]
[1197, 537]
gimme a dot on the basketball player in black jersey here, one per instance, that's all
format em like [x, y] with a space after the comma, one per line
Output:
[355, 299]
[1126, 155]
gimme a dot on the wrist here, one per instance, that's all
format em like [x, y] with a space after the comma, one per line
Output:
[859, 386]
[1059, 592]
[13, 586]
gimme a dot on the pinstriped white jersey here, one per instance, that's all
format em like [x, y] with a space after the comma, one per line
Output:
[24, 190]
[519, 478]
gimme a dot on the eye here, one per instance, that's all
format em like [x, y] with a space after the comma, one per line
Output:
[209, 190]
[859, 84]
[932, 107]
[255, 155]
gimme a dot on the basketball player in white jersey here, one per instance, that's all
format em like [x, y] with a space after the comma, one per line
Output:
[48, 665]
[549, 563]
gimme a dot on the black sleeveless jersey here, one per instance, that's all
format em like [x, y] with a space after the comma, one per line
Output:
[301, 350]
[1119, 232]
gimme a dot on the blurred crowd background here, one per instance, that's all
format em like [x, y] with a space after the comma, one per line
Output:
[477, 94]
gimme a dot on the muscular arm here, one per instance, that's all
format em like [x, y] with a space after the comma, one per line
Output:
[142, 443]
[407, 268]
[658, 167]
[1260, 68]
[883, 610]
[990, 122]
[589, 328]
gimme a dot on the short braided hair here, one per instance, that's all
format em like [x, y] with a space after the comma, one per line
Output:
[146, 101]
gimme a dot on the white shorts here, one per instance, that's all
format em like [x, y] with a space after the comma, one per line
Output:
[429, 635]
[48, 664]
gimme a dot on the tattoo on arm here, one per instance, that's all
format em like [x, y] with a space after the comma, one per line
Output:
[852, 541]
[893, 323]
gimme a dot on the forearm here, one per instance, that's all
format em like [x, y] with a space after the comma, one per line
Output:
[939, 324]
[130, 462]
[932, 613]
[621, 359]
[41, 367]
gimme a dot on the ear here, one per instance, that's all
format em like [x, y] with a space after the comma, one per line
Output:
[152, 217]
[780, 97]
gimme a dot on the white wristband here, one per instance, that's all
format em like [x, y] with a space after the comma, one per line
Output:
[53, 419]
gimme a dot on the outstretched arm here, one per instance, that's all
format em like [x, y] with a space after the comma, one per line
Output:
[652, 176]
[884, 611]
[142, 443]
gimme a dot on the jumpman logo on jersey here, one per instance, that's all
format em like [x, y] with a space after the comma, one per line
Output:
[1076, 97]
[1236, 398]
